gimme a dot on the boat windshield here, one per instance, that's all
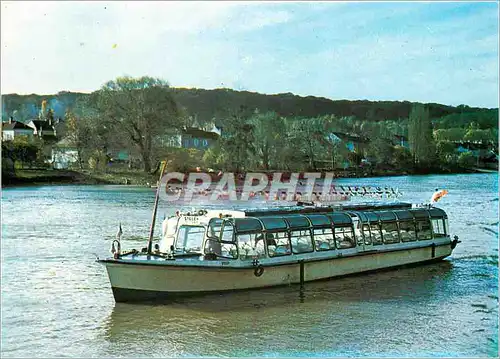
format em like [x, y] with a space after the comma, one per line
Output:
[189, 239]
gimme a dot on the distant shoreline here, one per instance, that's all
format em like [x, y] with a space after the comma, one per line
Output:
[28, 178]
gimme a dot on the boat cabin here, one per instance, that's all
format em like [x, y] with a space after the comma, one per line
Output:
[250, 235]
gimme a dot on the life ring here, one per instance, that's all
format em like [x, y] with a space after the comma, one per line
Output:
[259, 270]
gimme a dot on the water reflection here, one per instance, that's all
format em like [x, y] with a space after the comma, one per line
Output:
[420, 284]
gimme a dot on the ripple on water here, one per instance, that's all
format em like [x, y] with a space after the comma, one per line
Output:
[56, 299]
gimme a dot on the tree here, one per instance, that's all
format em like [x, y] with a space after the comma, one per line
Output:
[446, 152]
[79, 135]
[307, 136]
[466, 160]
[22, 151]
[215, 156]
[268, 136]
[380, 149]
[141, 109]
[420, 136]
[450, 134]
[476, 135]
[401, 158]
[237, 140]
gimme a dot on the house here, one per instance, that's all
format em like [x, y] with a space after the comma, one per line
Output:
[199, 139]
[121, 157]
[352, 143]
[193, 137]
[44, 129]
[64, 154]
[13, 129]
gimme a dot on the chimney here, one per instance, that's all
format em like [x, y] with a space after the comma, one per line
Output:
[10, 119]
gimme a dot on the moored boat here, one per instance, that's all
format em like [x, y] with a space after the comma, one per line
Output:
[211, 251]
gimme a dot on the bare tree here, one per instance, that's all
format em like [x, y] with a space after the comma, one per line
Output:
[142, 109]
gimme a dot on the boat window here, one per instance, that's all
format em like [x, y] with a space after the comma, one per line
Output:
[358, 231]
[340, 218]
[189, 239]
[319, 220]
[301, 241]
[273, 223]
[366, 234]
[214, 227]
[224, 250]
[407, 230]
[424, 230]
[297, 222]
[344, 237]
[387, 216]
[247, 225]
[278, 244]
[438, 228]
[228, 232]
[323, 239]
[390, 232]
[171, 227]
[376, 235]
[437, 213]
[251, 245]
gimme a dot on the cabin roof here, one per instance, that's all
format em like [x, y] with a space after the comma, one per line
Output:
[401, 215]
[296, 221]
[274, 223]
[260, 212]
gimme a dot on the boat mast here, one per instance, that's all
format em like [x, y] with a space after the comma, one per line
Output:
[151, 229]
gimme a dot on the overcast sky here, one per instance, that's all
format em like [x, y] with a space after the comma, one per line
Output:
[444, 52]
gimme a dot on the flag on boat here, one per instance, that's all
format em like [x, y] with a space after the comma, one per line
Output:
[438, 195]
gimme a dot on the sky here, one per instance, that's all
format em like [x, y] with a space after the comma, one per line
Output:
[440, 52]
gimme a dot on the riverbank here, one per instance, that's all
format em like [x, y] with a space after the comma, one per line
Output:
[28, 177]
[34, 177]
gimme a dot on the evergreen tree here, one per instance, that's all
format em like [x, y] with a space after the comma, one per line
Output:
[420, 137]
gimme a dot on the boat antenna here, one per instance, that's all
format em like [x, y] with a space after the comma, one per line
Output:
[151, 229]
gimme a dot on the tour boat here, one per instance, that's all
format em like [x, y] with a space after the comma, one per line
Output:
[215, 251]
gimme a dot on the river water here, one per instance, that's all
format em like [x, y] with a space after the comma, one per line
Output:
[57, 302]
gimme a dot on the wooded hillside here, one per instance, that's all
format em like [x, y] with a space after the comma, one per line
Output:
[215, 104]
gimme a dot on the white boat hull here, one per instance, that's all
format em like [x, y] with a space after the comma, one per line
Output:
[134, 280]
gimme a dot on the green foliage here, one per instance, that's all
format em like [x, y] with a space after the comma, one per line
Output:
[237, 141]
[282, 131]
[401, 158]
[450, 134]
[380, 149]
[478, 135]
[184, 159]
[22, 151]
[420, 137]
[446, 153]
[215, 157]
[306, 137]
[464, 116]
[268, 138]
[98, 161]
[466, 159]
